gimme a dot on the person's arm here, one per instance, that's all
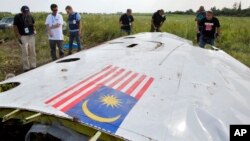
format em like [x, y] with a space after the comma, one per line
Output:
[163, 20]
[16, 31]
[55, 26]
[58, 24]
[80, 28]
[201, 23]
[48, 28]
[33, 22]
[152, 20]
[197, 28]
[196, 18]
[80, 24]
[217, 34]
[120, 21]
[217, 28]
[18, 36]
[218, 31]
[132, 20]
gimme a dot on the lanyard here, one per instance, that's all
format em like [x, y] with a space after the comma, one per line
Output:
[26, 24]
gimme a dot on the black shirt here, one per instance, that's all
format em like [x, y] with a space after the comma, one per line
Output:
[209, 27]
[25, 24]
[158, 19]
[126, 21]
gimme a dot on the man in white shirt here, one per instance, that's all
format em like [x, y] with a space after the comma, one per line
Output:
[54, 23]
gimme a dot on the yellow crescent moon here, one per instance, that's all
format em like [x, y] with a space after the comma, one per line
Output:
[95, 117]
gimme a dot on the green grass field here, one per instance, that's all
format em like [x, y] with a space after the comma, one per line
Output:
[235, 38]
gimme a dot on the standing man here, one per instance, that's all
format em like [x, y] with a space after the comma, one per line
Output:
[126, 22]
[54, 23]
[200, 14]
[210, 29]
[25, 33]
[74, 26]
[158, 19]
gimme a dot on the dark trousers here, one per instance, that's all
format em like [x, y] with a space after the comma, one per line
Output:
[128, 32]
[53, 44]
[199, 34]
[153, 29]
[74, 36]
[206, 40]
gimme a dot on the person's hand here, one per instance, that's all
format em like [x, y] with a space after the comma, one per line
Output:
[80, 33]
[20, 41]
[217, 35]
[50, 34]
[55, 26]
[197, 30]
[18, 36]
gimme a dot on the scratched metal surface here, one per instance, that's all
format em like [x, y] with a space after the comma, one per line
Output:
[195, 93]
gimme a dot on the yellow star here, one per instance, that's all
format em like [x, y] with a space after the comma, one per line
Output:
[110, 100]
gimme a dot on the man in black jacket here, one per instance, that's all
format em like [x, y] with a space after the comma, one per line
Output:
[126, 22]
[158, 19]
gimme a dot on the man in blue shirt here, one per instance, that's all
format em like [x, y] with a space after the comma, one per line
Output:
[74, 25]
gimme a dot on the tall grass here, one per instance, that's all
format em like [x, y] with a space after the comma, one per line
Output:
[235, 38]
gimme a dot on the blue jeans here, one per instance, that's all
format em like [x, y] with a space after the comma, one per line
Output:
[206, 40]
[74, 36]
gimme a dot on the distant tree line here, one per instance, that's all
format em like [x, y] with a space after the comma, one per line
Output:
[236, 10]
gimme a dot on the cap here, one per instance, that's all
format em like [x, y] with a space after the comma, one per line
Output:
[25, 9]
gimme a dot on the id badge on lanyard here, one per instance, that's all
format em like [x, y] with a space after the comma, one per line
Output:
[26, 30]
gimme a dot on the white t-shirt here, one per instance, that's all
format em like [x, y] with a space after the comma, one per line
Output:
[57, 32]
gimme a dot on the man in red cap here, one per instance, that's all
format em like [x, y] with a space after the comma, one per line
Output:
[25, 33]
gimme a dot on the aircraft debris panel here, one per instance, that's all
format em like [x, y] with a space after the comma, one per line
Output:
[147, 86]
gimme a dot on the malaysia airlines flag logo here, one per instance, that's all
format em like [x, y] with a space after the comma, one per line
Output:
[103, 99]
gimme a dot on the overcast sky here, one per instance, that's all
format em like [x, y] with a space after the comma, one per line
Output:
[111, 6]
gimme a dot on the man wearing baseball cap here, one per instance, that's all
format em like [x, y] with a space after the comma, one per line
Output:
[25, 33]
